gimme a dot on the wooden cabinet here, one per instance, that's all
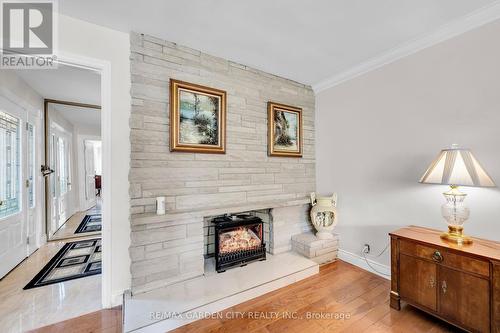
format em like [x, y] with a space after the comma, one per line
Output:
[459, 284]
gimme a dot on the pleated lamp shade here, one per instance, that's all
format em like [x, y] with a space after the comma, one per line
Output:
[457, 166]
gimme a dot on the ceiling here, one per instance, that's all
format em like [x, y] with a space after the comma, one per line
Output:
[70, 84]
[65, 83]
[308, 41]
[85, 118]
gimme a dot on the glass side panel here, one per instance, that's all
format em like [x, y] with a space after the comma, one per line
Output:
[63, 166]
[53, 144]
[31, 165]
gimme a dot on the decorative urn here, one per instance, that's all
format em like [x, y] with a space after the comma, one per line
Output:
[324, 215]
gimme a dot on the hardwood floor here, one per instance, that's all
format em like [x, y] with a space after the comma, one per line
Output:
[340, 289]
[106, 321]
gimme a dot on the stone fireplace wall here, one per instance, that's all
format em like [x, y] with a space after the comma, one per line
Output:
[169, 248]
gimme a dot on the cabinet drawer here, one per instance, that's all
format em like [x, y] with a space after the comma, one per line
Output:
[446, 258]
[466, 264]
[417, 250]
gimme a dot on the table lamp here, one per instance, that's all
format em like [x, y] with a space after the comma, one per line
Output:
[456, 167]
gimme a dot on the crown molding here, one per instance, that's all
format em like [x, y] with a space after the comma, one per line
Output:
[452, 29]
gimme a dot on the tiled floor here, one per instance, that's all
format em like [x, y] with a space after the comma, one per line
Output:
[67, 230]
[22, 310]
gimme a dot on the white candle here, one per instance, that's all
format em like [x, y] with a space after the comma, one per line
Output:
[160, 206]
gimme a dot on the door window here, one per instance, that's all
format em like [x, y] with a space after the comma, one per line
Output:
[10, 165]
[63, 165]
[31, 165]
[53, 144]
[98, 157]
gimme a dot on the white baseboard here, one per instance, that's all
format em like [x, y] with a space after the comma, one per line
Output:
[359, 261]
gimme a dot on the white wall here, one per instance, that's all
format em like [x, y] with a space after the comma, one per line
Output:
[88, 40]
[377, 133]
[16, 88]
[89, 130]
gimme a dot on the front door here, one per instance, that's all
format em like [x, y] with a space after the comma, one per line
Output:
[13, 240]
[60, 180]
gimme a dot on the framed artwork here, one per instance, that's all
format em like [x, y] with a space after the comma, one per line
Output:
[284, 130]
[197, 118]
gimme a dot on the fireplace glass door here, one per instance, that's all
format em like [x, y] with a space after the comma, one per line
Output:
[242, 238]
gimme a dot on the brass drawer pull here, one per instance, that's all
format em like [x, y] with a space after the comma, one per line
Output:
[437, 256]
[444, 287]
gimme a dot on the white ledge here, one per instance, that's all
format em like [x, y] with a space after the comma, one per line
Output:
[151, 218]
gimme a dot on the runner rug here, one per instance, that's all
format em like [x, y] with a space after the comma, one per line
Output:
[73, 261]
[90, 223]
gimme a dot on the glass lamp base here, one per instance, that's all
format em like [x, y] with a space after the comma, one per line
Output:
[455, 235]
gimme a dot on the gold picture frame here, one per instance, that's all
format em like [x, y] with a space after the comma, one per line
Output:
[284, 130]
[197, 118]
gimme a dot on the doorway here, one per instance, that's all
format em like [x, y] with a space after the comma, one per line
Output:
[27, 244]
[73, 169]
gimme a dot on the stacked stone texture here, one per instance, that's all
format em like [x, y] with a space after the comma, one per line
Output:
[169, 249]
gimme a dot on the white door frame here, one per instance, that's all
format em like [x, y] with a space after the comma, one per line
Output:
[104, 68]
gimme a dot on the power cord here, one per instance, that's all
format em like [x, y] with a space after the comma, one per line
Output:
[378, 255]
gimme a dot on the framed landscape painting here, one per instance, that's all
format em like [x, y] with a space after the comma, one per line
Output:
[284, 130]
[197, 118]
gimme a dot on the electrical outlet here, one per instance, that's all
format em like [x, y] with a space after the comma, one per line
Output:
[366, 248]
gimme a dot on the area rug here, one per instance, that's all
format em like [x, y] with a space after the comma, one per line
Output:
[90, 223]
[73, 261]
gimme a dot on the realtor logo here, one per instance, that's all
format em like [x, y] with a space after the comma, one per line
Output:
[28, 33]
[27, 28]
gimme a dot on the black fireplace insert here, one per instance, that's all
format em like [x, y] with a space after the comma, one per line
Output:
[238, 240]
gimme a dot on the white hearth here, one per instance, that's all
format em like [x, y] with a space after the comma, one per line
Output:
[178, 304]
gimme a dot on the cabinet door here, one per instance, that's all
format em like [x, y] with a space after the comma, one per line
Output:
[496, 297]
[418, 281]
[464, 298]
